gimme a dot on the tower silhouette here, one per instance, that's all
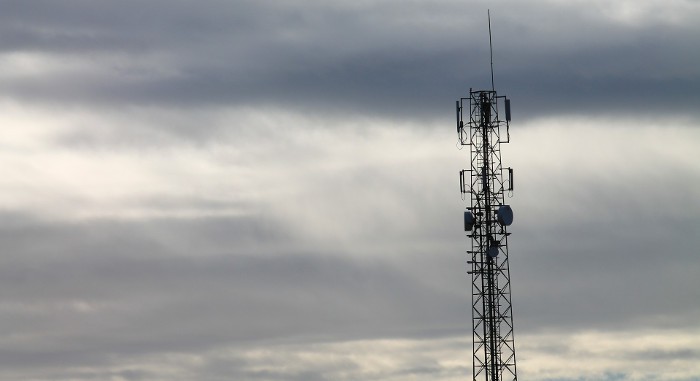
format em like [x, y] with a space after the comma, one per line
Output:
[485, 183]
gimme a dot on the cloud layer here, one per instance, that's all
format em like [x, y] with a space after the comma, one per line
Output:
[262, 191]
[383, 58]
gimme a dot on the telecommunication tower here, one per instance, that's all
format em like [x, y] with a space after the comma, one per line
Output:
[481, 127]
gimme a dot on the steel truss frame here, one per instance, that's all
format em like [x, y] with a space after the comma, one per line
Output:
[492, 319]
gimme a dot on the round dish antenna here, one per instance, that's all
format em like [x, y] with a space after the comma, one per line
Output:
[505, 215]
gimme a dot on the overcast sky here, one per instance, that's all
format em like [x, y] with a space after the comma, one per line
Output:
[268, 190]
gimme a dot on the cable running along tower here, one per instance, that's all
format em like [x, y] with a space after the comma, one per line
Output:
[481, 127]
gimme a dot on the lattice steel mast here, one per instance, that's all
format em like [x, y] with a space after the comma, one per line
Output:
[480, 127]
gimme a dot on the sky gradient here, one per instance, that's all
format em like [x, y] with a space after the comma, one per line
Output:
[267, 190]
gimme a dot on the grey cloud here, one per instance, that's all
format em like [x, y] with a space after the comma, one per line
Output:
[77, 26]
[668, 355]
[91, 292]
[339, 59]
[143, 287]
[378, 253]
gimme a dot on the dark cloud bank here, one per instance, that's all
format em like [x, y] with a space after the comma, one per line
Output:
[385, 58]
